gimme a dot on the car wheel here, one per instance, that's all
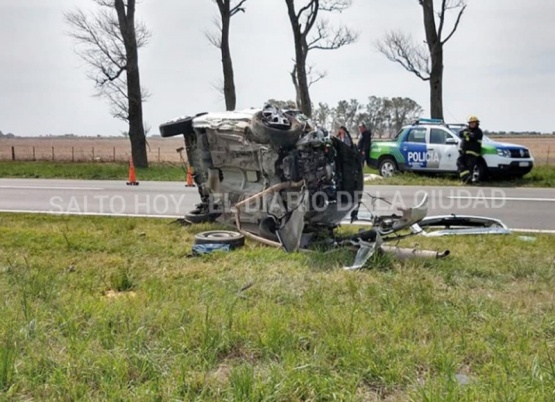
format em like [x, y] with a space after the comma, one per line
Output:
[264, 134]
[233, 239]
[387, 167]
[480, 171]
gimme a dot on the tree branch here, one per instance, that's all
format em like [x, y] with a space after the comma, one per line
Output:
[335, 5]
[314, 76]
[238, 7]
[441, 16]
[328, 39]
[459, 16]
[399, 48]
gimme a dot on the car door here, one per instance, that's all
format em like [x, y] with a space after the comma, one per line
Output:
[413, 148]
[442, 150]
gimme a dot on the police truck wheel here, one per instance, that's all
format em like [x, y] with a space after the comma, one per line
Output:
[387, 167]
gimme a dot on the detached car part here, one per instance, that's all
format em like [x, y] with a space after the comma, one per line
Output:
[227, 237]
[448, 225]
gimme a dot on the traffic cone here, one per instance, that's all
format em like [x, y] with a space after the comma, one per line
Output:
[132, 179]
[190, 182]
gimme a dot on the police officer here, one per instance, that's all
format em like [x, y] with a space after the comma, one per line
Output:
[470, 149]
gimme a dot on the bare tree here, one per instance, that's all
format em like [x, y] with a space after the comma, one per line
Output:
[426, 61]
[311, 32]
[402, 111]
[227, 8]
[312, 77]
[323, 115]
[346, 114]
[108, 41]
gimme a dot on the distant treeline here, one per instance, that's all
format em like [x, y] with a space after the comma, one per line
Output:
[516, 133]
[9, 135]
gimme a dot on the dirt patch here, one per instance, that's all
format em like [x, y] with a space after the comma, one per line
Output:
[113, 294]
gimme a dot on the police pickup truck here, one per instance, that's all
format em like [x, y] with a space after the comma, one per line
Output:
[430, 145]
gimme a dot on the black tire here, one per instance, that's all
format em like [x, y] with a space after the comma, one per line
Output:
[387, 167]
[196, 216]
[181, 126]
[480, 171]
[263, 134]
[234, 239]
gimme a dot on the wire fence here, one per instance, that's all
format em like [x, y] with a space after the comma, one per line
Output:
[81, 150]
[160, 150]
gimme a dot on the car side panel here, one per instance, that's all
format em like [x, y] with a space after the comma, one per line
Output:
[415, 154]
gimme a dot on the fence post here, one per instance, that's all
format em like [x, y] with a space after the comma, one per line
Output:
[114, 154]
[158, 154]
[13, 153]
[34, 155]
[73, 154]
[548, 151]
[93, 154]
[53, 157]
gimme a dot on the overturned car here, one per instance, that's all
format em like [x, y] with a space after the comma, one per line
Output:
[280, 179]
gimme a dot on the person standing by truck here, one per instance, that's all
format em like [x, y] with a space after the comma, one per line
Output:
[364, 144]
[470, 150]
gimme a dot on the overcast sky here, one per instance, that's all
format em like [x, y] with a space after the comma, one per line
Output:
[499, 64]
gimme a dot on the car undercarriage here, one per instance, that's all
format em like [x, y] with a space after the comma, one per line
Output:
[283, 181]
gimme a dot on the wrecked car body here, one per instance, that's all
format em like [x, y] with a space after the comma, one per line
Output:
[281, 180]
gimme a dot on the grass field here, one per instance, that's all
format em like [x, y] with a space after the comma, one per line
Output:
[541, 176]
[111, 309]
[90, 171]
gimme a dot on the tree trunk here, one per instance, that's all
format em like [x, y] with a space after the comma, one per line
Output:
[135, 117]
[302, 81]
[136, 127]
[229, 83]
[298, 101]
[301, 52]
[436, 84]
[436, 54]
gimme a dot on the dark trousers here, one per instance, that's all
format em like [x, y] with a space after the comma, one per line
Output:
[466, 164]
[365, 157]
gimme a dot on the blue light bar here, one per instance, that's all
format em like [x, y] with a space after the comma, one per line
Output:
[430, 121]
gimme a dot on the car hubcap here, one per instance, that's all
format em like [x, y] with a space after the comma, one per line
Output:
[388, 169]
[219, 235]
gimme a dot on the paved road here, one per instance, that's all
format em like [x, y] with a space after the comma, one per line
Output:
[519, 208]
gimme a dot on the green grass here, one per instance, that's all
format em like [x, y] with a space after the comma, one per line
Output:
[540, 176]
[112, 309]
[89, 171]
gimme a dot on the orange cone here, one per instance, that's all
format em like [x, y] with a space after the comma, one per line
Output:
[132, 179]
[190, 182]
